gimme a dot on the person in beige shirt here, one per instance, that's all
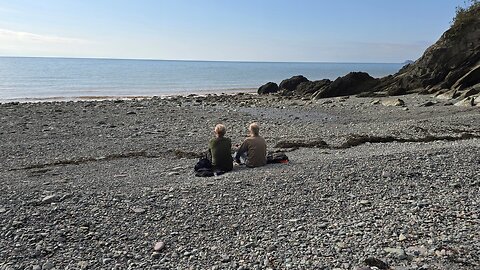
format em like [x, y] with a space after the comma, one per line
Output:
[254, 148]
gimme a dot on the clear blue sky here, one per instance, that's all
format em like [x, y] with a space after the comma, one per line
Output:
[245, 30]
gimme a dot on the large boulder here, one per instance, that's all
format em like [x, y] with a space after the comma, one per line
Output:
[308, 88]
[351, 84]
[268, 88]
[292, 83]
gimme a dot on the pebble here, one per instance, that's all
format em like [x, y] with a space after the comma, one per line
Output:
[225, 258]
[402, 237]
[364, 202]
[47, 266]
[3, 210]
[400, 253]
[138, 210]
[159, 246]
[49, 199]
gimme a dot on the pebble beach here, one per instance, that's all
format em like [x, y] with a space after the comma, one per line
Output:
[110, 185]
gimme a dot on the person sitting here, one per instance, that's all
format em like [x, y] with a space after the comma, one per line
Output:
[220, 149]
[254, 148]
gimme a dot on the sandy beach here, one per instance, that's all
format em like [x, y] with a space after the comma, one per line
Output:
[97, 184]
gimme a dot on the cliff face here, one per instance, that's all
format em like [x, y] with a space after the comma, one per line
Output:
[451, 64]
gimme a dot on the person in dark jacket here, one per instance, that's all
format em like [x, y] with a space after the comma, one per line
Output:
[220, 149]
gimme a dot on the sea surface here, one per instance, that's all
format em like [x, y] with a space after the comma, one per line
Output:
[36, 79]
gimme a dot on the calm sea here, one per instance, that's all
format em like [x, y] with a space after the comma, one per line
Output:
[64, 78]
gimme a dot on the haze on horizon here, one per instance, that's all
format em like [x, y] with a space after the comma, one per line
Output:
[270, 30]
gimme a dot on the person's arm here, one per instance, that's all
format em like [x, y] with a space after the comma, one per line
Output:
[242, 149]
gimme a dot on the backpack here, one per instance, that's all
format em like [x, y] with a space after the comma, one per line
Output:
[279, 157]
[204, 168]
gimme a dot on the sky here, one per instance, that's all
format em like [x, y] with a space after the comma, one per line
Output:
[382, 31]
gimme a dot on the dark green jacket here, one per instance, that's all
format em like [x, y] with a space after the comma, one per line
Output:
[221, 150]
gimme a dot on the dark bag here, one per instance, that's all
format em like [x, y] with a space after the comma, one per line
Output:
[204, 168]
[279, 157]
[203, 164]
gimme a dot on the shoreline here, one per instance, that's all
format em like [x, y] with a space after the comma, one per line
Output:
[129, 97]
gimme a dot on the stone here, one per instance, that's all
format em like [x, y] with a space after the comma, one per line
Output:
[398, 252]
[159, 246]
[138, 210]
[155, 255]
[49, 199]
[374, 262]
[402, 237]
[268, 88]
[47, 266]
[3, 210]
[393, 102]
[309, 88]
[351, 84]
[36, 267]
[292, 83]
[364, 202]
[225, 258]
[107, 260]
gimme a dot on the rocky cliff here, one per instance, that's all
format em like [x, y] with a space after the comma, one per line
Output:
[450, 68]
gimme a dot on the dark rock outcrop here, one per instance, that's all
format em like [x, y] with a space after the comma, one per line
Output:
[268, 88]
[351, 84]
[453, 62]
[292, 83]
[308, 88]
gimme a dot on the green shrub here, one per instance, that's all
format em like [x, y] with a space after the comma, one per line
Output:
[466, 14]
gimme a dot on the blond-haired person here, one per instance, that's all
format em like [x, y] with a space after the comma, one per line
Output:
[254, 148]
[220, 149]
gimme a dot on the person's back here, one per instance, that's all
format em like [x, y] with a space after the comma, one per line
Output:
[255, 148]
[221, 151]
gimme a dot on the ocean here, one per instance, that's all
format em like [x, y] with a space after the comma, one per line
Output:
[37, 79]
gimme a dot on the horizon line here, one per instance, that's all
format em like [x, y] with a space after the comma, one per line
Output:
[197, 60]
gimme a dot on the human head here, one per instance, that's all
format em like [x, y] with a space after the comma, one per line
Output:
[220, 130]
[254, 129]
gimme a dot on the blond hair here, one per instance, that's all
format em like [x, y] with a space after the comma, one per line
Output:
[220, 130]
[254, 129]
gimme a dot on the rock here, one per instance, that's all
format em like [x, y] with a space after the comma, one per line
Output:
[47, 266]
[374, 262]
[36, 267]
[451, 63]
[351, 84]
[107, 260]
[50, 199]
[402, 237]
[3, 210]
[268, 88]
[466, 102]
[308, 87]
[398, 252]
[428, 104]
[471, 78]
[225, 258]
[393, 102]
[375, 102]
[396, 91]
[364, 202]
[159, 246]
[138, 210]
[292, 83]
[156, 255]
